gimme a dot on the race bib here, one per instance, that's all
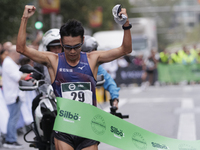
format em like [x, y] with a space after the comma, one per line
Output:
[78, 91]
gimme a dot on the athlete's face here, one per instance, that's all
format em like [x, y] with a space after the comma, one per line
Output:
[72, 47]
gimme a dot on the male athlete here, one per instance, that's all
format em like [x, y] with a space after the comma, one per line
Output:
[72, 67]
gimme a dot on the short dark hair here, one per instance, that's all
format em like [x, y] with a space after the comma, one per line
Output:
[72, 28]
[24, 60]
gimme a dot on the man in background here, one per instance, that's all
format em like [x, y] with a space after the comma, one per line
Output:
[11, 76]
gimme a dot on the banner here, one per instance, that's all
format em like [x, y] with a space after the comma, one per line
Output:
[175, 73]
[49, 6]
[129, 75]
[96, 18]
[88, 121]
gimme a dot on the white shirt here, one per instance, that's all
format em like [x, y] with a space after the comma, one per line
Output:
[122, 62]
[111, 68]
[10, 77]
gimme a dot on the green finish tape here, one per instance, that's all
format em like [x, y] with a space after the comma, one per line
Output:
[91, 122]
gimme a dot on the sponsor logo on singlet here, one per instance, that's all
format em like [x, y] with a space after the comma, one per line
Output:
[65, 70]
[83, 63]
[81, 68]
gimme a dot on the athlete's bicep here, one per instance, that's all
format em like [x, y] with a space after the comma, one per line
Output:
[52, 66]
[109, 55]
[38, 56]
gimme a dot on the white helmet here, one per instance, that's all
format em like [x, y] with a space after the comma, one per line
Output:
[90, 44]
[50, 36]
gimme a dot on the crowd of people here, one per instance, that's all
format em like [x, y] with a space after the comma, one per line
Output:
[15, 104]
[186, 55]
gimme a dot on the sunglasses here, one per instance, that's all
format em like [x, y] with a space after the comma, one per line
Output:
[75, 47]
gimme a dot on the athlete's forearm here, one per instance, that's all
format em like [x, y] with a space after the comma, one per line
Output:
[21, 38]
[127, 41]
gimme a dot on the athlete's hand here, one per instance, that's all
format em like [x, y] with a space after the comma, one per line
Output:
[115, 103]
[123, 11]
[29, 11]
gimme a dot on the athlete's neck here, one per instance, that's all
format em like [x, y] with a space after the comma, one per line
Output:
[73, 62]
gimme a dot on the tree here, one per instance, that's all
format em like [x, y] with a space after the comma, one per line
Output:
[11, 12]
[80, 10]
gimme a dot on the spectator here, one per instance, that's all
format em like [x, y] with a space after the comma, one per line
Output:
[164, 57]
[198, 58]
[188, 58]
[182, 52]
[11, 75]
[3, 55]
[194, 51]
[150, 67]
[175, 58]
[7, 45]
[139, 62]
[26, 113]
[51, 43]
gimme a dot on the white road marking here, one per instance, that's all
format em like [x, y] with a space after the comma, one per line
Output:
[136, 90]
[187, 128]
[155, 100]
[187, 89]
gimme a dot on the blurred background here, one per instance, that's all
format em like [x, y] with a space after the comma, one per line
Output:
[167, 31]
[177, 21]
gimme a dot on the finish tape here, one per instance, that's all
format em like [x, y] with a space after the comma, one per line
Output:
[88, 121]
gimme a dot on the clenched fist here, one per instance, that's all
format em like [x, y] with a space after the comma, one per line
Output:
[29, 11]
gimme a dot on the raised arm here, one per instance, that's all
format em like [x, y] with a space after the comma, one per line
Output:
[124, 49]
[46, 58]
[96, 58]
[40, 57]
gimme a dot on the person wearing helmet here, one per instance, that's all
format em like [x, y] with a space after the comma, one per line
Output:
[73, 67]
[51, 41]
[90, 44]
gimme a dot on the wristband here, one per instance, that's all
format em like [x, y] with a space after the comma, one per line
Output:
[127, 28]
